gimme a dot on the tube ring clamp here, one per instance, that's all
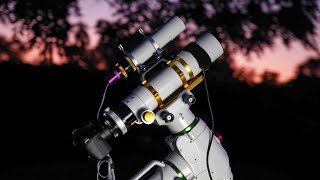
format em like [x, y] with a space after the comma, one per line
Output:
[154, 93]
[179, 72]
[186, 66]
[157, 48]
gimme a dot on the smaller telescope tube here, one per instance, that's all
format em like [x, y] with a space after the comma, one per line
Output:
[166, 33]
[149, 46]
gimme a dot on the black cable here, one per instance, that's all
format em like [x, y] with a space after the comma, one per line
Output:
[102, 102]
[212, 121]
[208, 97]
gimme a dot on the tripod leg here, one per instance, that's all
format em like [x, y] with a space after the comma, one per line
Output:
[146, 169]
[176, 168]
[164, 173]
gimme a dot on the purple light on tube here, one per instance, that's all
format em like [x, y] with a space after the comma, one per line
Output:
[115, 78]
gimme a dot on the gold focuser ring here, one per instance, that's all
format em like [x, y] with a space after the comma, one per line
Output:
[134, 67]
[124, 73]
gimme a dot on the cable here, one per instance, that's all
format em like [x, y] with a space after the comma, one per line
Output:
[102, 102]
[212, 121]
[208, 97]
[110, 173]
[99, 164]
[208, 153]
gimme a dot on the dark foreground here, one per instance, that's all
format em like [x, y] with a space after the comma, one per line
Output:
[269, 132]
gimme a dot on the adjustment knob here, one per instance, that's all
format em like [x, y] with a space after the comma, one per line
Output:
[148, 117]
[142, 67]
[189, 99]
[167, 117]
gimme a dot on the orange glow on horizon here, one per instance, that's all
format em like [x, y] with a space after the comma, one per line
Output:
[58, 59]
[102, 66]
[278, 59]
[32, 57]
[4, 57]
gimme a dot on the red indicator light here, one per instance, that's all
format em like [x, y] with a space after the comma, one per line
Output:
[219, 137]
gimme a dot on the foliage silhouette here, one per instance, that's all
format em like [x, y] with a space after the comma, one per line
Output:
[268, 117]
[270, 78]
[311, 68]
[7, 52]
[40, 24]
[245, 25]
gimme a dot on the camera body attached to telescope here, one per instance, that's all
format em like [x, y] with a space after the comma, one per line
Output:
[165, 100]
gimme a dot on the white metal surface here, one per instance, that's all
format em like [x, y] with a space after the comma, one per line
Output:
[167, 81]
[191, 61]
[147, 168]
[189, 150]
[137, 105]
[189, 156]
[183, 117]
[162, 36]
[211, 45]
[165, 173]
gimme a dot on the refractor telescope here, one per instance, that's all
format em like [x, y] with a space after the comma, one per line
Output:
[164, 100]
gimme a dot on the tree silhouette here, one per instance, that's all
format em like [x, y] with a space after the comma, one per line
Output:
[311, 68]
[39, 24]
[241, 25]
[7, 52]
[245, 76]
[247, 25]
[77, 50]
[270, 78]
[305, 89]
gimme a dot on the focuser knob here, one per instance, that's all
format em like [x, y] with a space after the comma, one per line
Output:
[167, 117]
[189, 99]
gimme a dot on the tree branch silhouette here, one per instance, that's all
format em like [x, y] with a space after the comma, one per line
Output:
[39, 24]
[246, 25]
[240, 25]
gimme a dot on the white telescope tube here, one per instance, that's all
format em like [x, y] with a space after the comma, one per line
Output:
[161, 37]
[167, 81]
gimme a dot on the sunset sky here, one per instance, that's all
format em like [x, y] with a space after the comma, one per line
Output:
[279, 58]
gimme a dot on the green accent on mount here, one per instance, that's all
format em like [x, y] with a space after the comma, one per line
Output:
[177, 170]
[188, 128]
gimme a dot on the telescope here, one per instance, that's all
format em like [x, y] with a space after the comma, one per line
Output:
[164, 100]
